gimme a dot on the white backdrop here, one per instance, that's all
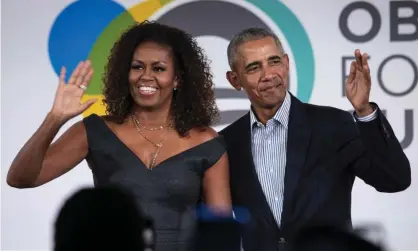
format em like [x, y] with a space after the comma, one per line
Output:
[28, 85]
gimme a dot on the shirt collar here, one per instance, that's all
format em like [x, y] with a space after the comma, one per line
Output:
[281, 116]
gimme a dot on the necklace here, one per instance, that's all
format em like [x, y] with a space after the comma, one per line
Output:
[151, 129]
[157, 145]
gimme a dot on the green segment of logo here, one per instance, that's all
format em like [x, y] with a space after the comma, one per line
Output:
[101, 49]
[298, 41]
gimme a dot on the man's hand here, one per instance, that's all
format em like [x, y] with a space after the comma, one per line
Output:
[358, 85]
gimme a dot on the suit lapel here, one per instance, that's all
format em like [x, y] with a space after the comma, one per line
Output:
[298, 139]
[247, 169]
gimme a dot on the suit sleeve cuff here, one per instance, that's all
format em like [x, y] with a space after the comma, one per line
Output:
[367, 118]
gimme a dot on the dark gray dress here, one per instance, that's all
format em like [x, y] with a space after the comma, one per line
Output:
[168, 193]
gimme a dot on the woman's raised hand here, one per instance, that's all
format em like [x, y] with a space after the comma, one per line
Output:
[67, 103]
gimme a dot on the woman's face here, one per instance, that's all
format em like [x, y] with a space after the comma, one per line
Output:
[152, 76]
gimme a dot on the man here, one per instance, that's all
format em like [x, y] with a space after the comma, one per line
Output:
[294, 164]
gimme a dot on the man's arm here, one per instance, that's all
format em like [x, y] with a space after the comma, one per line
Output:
[382, 162]
[378, 156]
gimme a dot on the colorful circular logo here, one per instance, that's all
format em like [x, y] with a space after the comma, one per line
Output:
[89, 28]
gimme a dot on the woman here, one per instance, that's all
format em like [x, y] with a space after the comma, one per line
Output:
[155, 139]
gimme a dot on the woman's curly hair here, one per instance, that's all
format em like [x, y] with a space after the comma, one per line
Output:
[193, 104]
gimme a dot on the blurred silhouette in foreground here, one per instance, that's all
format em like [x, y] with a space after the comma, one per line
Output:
[101, 219]
[329, 238]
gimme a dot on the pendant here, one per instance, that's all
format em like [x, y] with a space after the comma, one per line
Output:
[154, 158]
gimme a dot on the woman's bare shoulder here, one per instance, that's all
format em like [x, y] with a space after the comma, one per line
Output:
[201, 135]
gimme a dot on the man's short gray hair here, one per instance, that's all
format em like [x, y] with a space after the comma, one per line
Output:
[247, 35]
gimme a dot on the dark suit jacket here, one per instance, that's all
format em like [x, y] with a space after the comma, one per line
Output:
[329, 238]
[326, 150]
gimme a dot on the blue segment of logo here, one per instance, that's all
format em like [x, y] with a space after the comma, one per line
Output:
[76, 29]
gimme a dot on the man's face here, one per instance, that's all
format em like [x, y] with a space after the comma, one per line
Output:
[262, 70]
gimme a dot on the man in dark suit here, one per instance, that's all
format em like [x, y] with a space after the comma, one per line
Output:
[293, 164]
